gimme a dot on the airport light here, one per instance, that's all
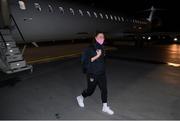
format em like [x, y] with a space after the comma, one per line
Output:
[173, 64]
[144, 37]
[149, 38]
[175, 39]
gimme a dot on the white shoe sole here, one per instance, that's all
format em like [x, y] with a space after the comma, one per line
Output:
[107, 113]
[79, 103]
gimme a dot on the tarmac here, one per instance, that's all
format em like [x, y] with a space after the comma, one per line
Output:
[143, 84]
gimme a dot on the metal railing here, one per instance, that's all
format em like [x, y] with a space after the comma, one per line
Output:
[3, 49]
[13, 19]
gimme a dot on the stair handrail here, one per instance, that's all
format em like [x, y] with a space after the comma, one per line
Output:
[3, 56]
[12, 17]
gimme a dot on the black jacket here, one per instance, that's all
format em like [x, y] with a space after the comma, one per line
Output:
[98, 66]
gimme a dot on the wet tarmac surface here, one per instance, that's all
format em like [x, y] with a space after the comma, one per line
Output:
[137, 88]
[153, 54]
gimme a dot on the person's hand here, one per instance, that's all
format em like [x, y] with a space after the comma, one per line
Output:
[99, 52]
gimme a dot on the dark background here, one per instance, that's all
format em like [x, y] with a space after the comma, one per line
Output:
[167, 19]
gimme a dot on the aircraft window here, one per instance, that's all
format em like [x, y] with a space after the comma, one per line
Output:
[80, 12]
[111, 17]
[22, 5]
[115, 18]
[122, 18]
[50, 8]
[37, 6]
[106, 16]
[61, 10]
[88, 13]
[95, 14]
[119, 19]
[101, 15]
[72, 11]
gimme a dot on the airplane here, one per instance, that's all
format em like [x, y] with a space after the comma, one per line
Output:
[34, 21]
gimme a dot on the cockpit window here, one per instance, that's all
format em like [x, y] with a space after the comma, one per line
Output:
[80, 12]
[22, 5]
[50, 9]
[61, 9]
[37, 6]
[72, 11]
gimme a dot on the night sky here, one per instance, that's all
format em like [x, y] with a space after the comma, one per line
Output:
[168, 17]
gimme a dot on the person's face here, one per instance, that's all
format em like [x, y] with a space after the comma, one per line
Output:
[100, 38]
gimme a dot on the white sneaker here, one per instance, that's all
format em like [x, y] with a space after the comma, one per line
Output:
[80, 100]
[107, 110]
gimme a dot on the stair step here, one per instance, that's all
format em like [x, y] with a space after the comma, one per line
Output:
[2, 45]
[10, 44]
[8, 38]
[3, 66]
[5, 31]
[14, 58]
[1, 41]
[28, 67]
[17, 65]
[13, 51]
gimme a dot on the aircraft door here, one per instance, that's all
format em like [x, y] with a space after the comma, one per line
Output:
[4, 14]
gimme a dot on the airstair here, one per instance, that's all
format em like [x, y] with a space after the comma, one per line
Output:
[11, 59]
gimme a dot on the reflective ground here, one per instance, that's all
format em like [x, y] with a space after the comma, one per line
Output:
[143, 83]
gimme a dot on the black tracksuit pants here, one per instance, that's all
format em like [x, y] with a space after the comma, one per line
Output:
[92, 82]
